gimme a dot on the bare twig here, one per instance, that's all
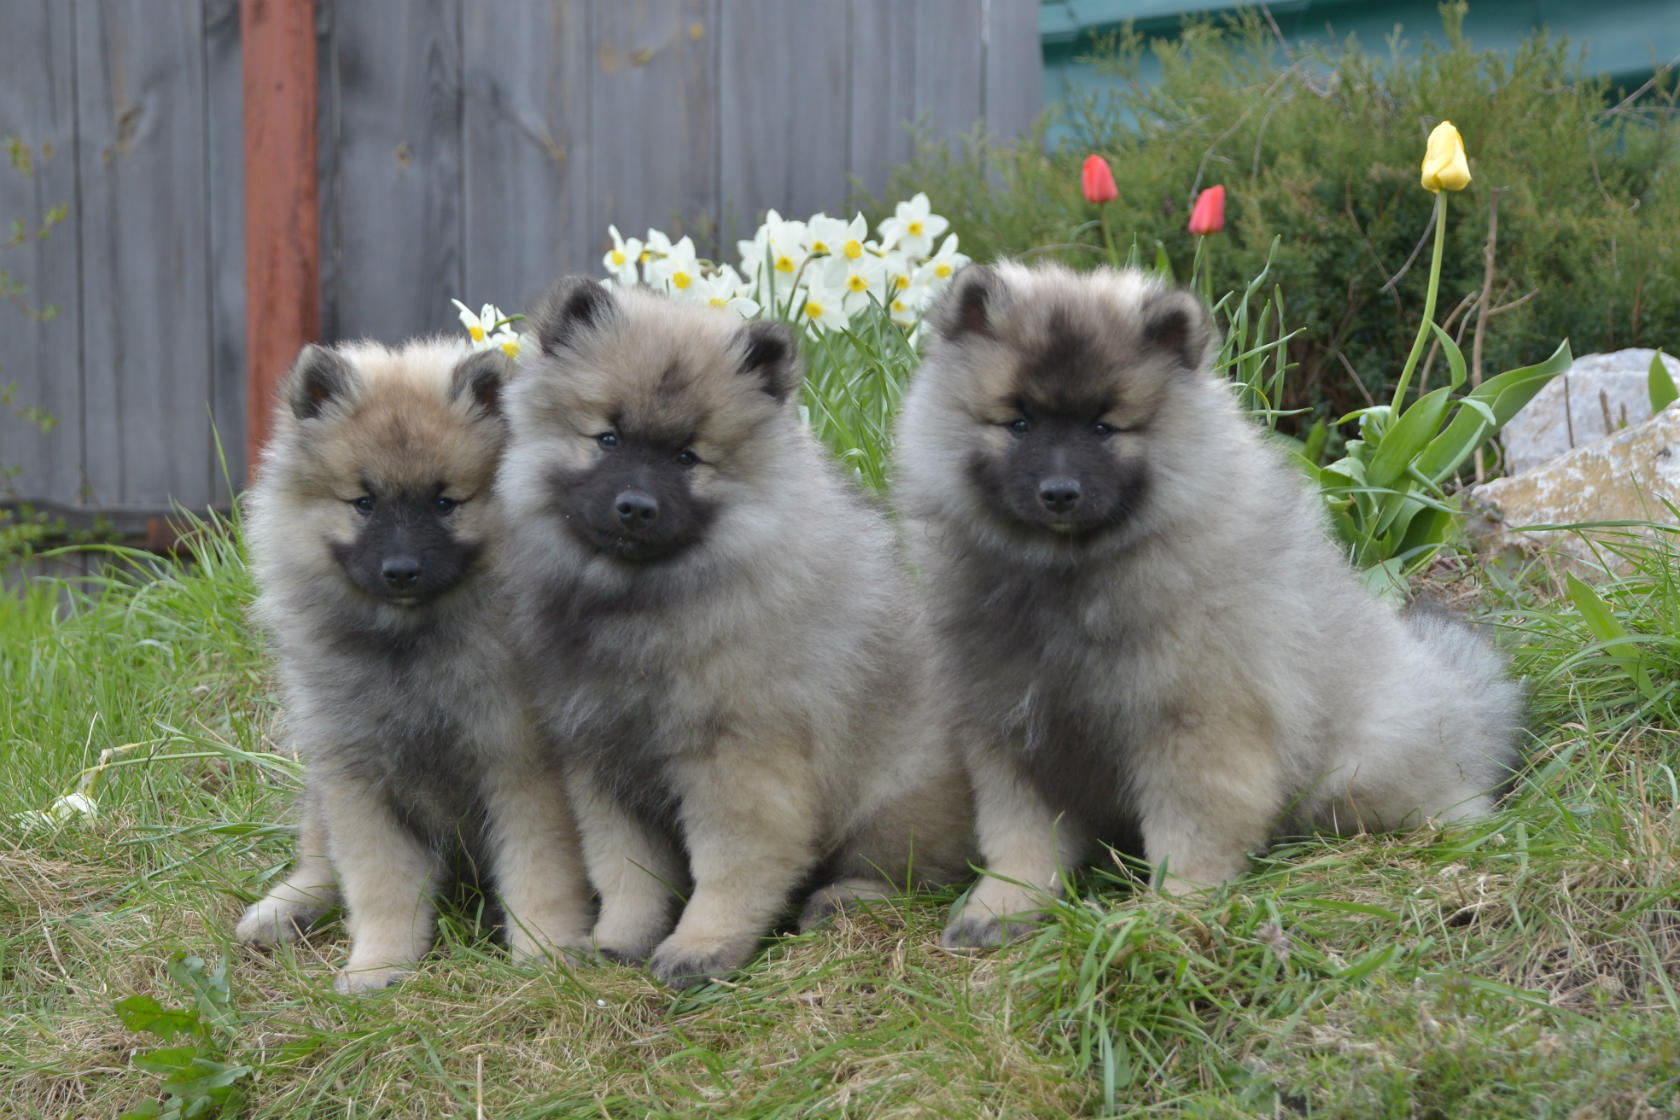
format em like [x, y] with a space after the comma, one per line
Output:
[1487, 286]
[1422, 241]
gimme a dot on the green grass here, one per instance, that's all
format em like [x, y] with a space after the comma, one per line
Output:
[1524, 966]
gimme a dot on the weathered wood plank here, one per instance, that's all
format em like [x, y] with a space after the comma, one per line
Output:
[141, 160]
[948, 66]
[883, 81]
[281, 304]
[391, 110]
[653, 117]
[527, 149]
[39, 357]
[224, 147]
[783, 74]
[1014, 93]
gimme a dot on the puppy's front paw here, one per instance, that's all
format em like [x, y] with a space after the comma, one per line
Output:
[680, 963]
[974, 928]
[361, 981]
[272, 921]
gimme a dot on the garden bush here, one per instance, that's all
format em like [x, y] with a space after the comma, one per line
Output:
[1320, 151]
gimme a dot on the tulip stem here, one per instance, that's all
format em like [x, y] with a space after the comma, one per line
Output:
[1108, 238]
[1428, 302]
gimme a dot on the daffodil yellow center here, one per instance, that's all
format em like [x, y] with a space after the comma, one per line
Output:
[853, 250]
[681, 280]
[719, 302]
[813, 309]
[477, 332]
[857, 283]
[915, 229]
[818, 247]
[942, 270]
[511, 348]
[898, 305]
[901, 281]
[618, 258]
[784, 263]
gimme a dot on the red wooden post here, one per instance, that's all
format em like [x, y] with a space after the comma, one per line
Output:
[282, 215]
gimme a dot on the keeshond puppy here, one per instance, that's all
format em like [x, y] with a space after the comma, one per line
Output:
[717, 637]
[1152, 641]
[373, 526]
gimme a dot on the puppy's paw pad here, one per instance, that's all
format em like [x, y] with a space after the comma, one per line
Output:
[681, 967]
[361, 981]
[974, 931]
[632, 956]
[271, 922]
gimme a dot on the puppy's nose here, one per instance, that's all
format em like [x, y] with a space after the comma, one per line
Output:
[400, 572]
[1059, 494]
[636, 509]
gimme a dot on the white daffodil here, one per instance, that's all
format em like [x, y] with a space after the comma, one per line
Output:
[506, 340]
[722, 292]
[909, 296]
[829, 236]
[820, 307]
[938, 269]
[677, 271]
[623, 258]
[656, 244]
[912, 227]
[860, 279]
[853, 244]
[482, 326]
[789, 243]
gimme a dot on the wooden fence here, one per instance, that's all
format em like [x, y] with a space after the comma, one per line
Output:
[467, 148]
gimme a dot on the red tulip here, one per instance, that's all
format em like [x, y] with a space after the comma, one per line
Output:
[1209, 213]
[1097, 180]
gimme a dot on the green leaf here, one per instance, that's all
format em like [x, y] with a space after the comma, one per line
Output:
[166, 1060]
[1607, 628]
[1455, 357]
[143, 1013]
[1503, 396]
[1317, 436]
[1409, 436]
[1660, 385]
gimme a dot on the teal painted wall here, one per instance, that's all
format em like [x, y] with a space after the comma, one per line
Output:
[1622, 38]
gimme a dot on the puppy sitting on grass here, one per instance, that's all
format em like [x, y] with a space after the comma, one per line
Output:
[716, 634]
[1151, 639]
[372, 528]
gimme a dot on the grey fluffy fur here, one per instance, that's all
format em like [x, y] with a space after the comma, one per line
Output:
[751, 714]
[1197, 674]
[421, 763]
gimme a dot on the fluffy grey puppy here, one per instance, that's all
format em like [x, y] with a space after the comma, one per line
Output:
[1153, 641]
[717, 636]
[372, 528]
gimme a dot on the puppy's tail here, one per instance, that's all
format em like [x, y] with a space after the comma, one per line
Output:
[1477, 693]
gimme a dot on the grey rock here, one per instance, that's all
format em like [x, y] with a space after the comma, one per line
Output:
[1631, 475]
[1605, 393]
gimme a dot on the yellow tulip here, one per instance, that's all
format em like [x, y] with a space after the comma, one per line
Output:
[1444, 165]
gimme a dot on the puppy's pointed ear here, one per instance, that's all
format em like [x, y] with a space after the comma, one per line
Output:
[770, 355]
[1177, 322]
[479, 377]
[318, 378]
[970, 306]
[572, 308]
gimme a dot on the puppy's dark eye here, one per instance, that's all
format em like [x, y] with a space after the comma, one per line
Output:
[1100, 428]
[364, 504]
[687, 457]
[444, 506]
[1020, 426]
[608, 440]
